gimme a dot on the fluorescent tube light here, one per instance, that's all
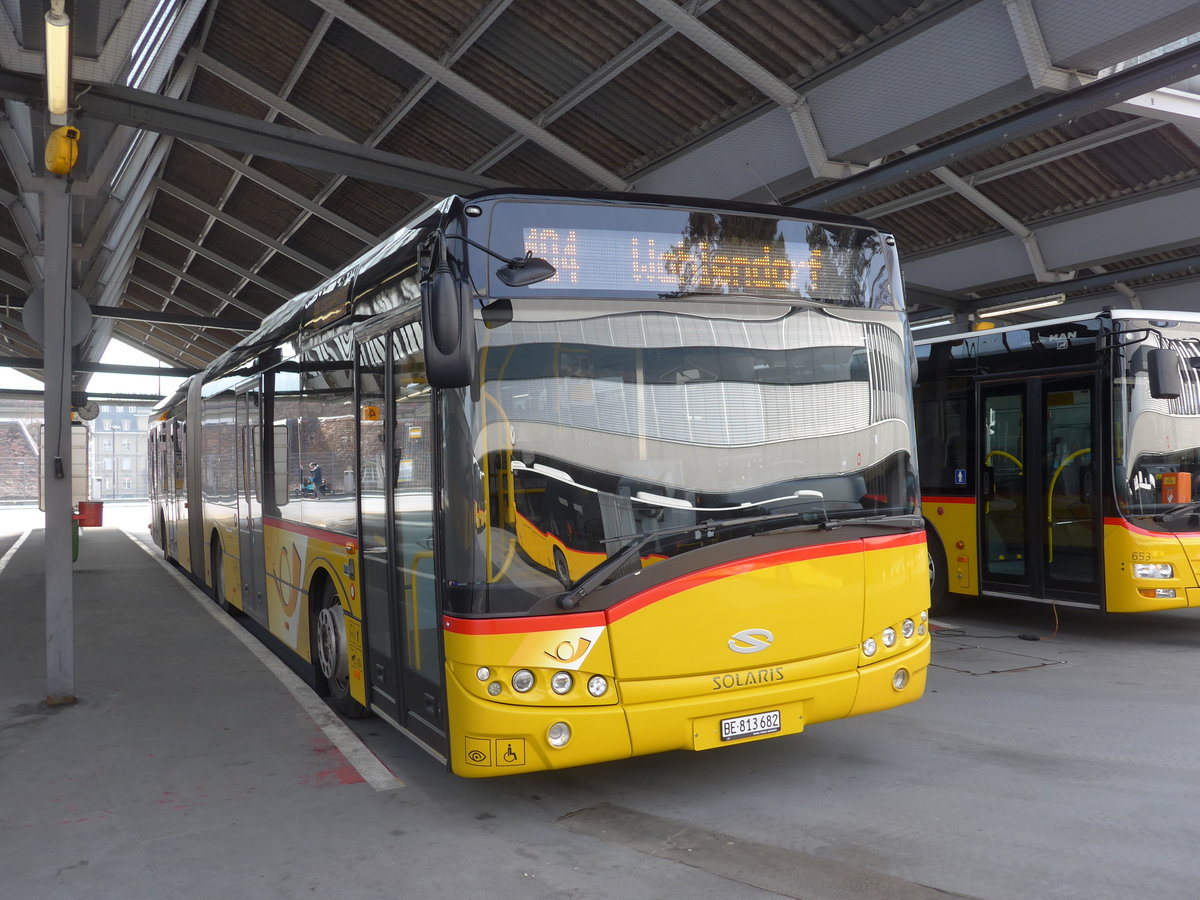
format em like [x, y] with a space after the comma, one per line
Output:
[935, 322]
[1026, 306]
[58, 62]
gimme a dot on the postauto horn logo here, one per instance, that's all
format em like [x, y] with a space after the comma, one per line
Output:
[751, 640]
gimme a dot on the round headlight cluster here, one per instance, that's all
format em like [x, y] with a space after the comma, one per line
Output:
[889, 637]
[907, 627]
[597, 685]
[869, 647]
[561, 682]
[522, 681]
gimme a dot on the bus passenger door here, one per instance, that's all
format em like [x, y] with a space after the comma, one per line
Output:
[1039, 503]
[396, 510]
[248, 411]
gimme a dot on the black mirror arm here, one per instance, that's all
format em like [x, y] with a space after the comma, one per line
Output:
[514, 262]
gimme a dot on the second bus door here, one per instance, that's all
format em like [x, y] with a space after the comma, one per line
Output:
[1039, 503]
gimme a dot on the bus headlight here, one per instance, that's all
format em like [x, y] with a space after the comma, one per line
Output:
[889, 637]
[1153, 570]
[522, 681]
[597, 685]
[560, 682]
[869, 647]
[558, 735]
[483, 673]
[907, 627]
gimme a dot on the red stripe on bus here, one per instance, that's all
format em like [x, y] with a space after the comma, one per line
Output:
[523, 625]
[925, 498]
[675, 586]
[333, 537]
[1129, 526]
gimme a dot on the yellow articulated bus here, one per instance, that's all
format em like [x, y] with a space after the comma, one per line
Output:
[1059, 461]
[549, 479]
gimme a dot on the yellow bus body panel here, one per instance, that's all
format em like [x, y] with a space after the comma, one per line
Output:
[1125, 544]
[799, 619]
[954, 519]
[295, 556]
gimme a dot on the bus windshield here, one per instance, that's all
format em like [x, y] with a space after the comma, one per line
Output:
[600, 423]
[1157, 441]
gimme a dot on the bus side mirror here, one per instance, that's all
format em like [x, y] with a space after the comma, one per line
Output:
[447, 325]
[1165, 381]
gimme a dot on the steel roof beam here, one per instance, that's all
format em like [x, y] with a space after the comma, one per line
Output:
[253, 233]
[1023, 164]
[221, 261]
[181, 275]
[196, 123]
[469, 35]
[18, 362]
[473, 94]
[1090, 98]
[293, 197]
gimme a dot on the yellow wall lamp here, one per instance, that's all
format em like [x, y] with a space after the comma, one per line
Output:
[58, 61]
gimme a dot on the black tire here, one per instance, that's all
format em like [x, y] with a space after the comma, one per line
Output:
[162, 535]
[941, 601]
[217, 558]
[329, 653]
[561, 569]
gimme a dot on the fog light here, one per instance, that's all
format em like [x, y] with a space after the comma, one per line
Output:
[597, 685]
[869, 647]
[921, 630]
[483, 673]
[522, 681]
[560, 682]
[907, 627]
[889, 637]
[558, 735]
[495, 688]
[900, 679]
[1153, 570]
[1164, 593]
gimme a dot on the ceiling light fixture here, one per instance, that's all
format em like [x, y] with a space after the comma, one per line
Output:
[58, 60]
[1026, 306]
[934, 322]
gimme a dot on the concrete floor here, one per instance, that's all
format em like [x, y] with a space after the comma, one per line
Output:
[1061, 768]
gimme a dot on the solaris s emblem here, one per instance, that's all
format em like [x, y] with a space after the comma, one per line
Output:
[751, 640]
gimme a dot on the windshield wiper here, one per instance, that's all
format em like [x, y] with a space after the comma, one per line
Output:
[1179, 512]
[708, 528]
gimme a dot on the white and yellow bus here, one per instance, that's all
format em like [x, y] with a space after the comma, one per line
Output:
[605, 475]
[1060, 462]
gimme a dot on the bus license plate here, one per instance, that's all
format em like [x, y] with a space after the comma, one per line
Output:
[750, 726]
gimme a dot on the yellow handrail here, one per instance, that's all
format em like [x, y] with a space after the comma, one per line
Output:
[1004, 453]
[1050, 502]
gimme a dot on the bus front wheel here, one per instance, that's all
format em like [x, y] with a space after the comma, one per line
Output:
[330, 655]
[941, 601]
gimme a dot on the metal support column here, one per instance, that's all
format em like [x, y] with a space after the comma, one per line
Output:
[56, 455]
